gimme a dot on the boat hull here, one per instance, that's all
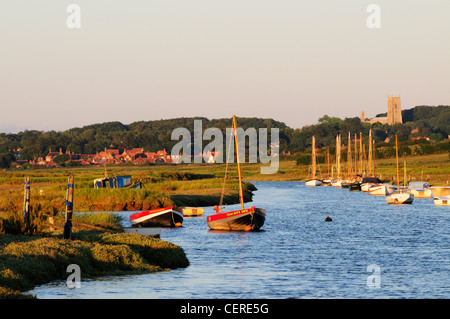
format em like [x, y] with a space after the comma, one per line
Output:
[336, 183]
[399, 198]
[250, 219]
[356, 186]
[442, 201]
[192, 211]
[161, 217]
[421, 193]
[313, 182]
[365, 187]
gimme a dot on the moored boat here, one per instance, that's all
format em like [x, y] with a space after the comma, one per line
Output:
[313, 182]
[420, 189]
[381, 189]
[160, 217]
[442, 200]
[367, 182]
[250, 219]
[355, 186]
[439, 191]
[337, 182]
[441, 195]
[191, 211]
[398, 198]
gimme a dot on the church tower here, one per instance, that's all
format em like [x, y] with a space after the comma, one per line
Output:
[394, 113]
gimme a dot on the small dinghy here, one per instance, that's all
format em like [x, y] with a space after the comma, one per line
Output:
[160, 217]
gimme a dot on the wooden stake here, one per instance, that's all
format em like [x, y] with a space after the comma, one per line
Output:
[69, 208]
[26, 201]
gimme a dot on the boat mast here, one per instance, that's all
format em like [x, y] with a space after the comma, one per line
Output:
[241, 196]
[396, 155]
[328, 161]
[356, 157]
[313, 158]
[349, 157]
[370, 153]
[360, 154]
[338, 156]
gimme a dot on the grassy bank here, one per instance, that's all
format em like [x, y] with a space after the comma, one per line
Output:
[162, 186]
[30, 260]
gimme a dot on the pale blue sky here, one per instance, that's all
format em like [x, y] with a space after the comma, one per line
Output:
[293, 61]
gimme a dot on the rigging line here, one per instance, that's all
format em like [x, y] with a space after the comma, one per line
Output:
[226, 168]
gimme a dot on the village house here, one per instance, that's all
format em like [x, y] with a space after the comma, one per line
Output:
[51, 155]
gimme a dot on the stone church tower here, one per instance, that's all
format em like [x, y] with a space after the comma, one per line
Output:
[394, 112]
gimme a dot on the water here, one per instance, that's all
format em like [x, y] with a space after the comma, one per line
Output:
[299, 255]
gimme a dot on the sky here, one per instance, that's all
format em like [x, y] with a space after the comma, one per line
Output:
[290, 60]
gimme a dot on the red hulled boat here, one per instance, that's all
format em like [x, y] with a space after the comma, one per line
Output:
[160, 217]
[238, 220]
[249, 219]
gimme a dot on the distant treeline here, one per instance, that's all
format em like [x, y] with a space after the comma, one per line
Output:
[432, 122]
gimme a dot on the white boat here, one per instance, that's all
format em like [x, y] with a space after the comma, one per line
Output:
[442, 200]
[398, 198]
[420, 189]
[381, 189]
[441, 195]
[336, 182]
[313, 182]
[367, 182]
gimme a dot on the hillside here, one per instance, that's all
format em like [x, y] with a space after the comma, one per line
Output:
[419, 122]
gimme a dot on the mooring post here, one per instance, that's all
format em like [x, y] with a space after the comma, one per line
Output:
[69, 208]
[26, 201]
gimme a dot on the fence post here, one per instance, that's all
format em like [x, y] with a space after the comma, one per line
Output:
[69, 208]
[26, 201]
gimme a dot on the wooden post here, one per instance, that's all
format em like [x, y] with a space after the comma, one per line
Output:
[26, 201]
[69, 208]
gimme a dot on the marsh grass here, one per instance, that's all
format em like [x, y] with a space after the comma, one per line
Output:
[27, 261]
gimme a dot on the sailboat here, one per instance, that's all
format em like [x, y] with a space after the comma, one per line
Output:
[356, 184]
[346, 183]
[250, 219]
[399, 197]
[337, 182]
[314, 181]
[327, 181]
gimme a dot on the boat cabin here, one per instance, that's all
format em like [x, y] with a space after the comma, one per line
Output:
[371, 180]
[420, 186]
[114, 182]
